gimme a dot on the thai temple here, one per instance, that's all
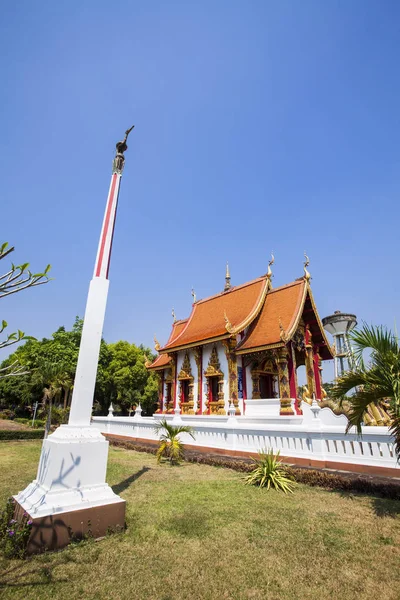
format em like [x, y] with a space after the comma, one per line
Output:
[238, 352]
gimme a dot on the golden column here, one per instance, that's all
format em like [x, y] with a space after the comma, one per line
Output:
[282, 357]
[230, 346]
[311, 389]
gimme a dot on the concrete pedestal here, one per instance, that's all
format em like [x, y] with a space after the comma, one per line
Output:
[70, 497]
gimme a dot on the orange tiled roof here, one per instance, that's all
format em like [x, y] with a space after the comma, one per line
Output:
[207, 321]
[282, 305]
[161, 361]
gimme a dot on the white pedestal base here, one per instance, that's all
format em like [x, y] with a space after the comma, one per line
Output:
[71, 474]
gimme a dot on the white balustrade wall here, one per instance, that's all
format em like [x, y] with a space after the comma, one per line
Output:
[317, 435]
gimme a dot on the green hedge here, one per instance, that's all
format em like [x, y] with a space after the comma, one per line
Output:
[28, 434]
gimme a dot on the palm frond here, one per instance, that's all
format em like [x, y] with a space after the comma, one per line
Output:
[378, 339]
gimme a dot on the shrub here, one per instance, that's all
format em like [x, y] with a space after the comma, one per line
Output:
[7, 414]
[25, 434]
[170, 446]
[22, 421]
[39, 424]
[270, 473]
[14, 535]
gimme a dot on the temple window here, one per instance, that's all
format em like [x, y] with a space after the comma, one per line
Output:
[185, 390]
[213, 389]
[266, 386]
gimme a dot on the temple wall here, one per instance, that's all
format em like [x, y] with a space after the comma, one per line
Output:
[316, 438]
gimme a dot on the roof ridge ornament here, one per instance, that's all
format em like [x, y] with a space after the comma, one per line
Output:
[271, 262]
[194, 296]
[157, 345]
[227, 278]
[283, 335]
[228, 325]
[307, 275]
[173, 316]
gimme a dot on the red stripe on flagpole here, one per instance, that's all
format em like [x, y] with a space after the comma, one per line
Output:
[106, 225]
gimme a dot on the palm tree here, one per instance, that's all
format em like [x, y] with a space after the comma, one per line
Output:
[170, 446]
[373, 383]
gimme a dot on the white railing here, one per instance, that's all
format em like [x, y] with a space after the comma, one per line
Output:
[318, 435]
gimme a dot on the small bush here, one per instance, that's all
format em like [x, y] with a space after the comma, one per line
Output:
[39, 424]
[170, 446]
[22, 421]
[14, 535]
[25, 434]
[7, 414]
[269, 472]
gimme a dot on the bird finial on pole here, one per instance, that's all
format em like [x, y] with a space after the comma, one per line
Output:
[119, 160]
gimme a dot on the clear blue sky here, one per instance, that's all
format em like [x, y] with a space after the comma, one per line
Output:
[259, 126]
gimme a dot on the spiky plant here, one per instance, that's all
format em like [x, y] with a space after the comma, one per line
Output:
[373, 382]
[170, 446]
[269, 472]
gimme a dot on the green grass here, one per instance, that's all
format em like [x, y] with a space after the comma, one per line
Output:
[197, 532]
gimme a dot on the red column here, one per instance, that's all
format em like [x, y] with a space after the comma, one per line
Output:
[200, 382]
[293, 379]
[175, 378]
[317, 376]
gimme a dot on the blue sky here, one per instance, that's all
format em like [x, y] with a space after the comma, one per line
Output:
[259, 126]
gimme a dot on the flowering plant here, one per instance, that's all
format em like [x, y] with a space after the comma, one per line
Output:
[14, 535]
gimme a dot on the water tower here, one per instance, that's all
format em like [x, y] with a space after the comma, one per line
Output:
[339, 324]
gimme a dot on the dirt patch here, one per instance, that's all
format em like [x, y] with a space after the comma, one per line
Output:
[11, 425]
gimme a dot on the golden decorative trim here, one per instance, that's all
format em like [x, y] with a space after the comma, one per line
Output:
[186, 369]
[232, 370]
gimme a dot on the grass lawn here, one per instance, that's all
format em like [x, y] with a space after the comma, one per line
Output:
[196, 532]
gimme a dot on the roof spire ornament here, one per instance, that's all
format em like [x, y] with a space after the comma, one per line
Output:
[156, 344]
[307, 275]
[271, 262]
[173, 316]
[227, 279]
[194, 296]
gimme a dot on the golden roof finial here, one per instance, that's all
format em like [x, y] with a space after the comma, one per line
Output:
[227, 278]
[173, 316]
[307, 275]
[156, 343]
[193, 296]
[271, 262]
[147, 362]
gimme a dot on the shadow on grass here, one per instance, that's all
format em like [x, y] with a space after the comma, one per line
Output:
[385, 507]
[43, 573]
[190, 524]
[123, 485]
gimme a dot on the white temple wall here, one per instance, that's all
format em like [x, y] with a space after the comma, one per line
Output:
[206, 357]
[317, 435]
[225, 370]
[193, 367]
[249, 383]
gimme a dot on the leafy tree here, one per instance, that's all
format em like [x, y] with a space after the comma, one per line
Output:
[122, 377]
[16, 279]
[375, 381]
